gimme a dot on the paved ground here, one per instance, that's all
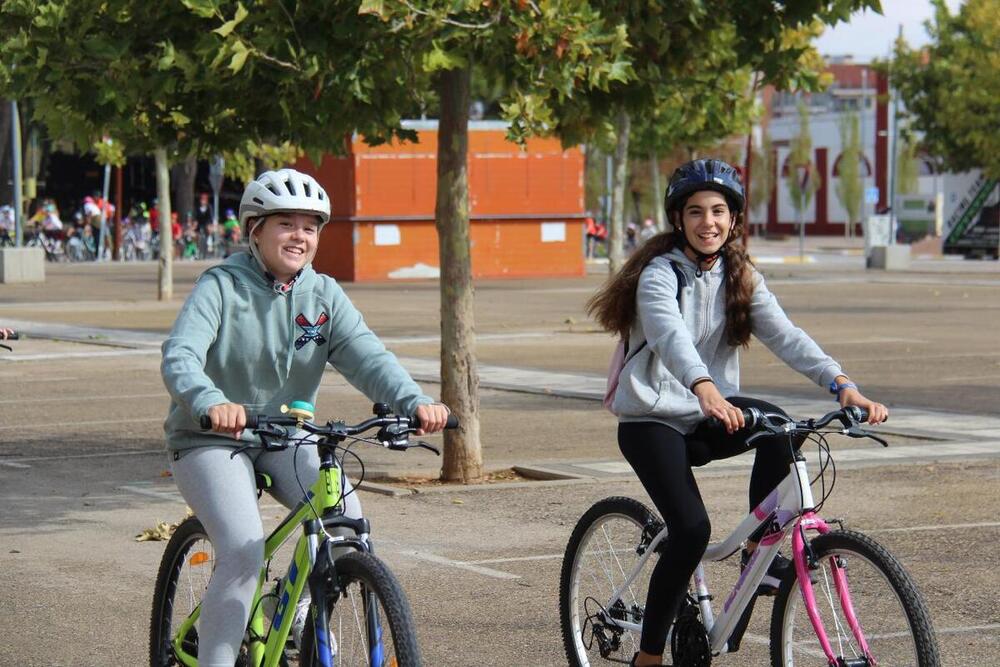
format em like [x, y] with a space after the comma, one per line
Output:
[81, 463]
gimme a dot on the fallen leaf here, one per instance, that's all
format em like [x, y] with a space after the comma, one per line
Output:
[160, 533]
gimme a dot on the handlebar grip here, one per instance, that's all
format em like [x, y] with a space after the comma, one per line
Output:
[859, 415]
[450, 424]
[205, 422]
[751, 416]
[14, 336]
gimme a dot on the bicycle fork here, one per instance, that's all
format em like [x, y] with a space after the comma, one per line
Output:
[810, 521]
[323, 582]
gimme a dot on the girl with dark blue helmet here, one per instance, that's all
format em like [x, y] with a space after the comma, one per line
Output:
[686, 302]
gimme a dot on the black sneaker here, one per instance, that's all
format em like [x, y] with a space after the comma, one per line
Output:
[779, 568]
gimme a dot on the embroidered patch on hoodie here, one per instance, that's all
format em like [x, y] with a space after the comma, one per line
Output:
[310, 330]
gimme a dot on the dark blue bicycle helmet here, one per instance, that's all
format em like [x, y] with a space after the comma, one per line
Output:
[705, 174]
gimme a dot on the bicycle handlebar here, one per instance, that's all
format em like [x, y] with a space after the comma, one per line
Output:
[257, 421]
[756, 420]
[13, 336]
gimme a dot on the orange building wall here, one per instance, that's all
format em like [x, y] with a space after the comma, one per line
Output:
[511, 194]
[500, 249]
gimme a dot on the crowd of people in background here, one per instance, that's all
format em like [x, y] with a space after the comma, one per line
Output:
[198, 235]
[597, 236]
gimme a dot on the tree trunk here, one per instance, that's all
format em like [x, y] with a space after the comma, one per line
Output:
[166, 291]
[183, 179]
[463, 457]
[659, 214]
[6, 194]
[616, 254]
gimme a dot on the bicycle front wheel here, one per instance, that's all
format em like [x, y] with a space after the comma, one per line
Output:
[185, 571]
[602, 551]
[885, 605]
[370, 620]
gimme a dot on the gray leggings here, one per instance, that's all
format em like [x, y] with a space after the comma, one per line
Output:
[222, 492]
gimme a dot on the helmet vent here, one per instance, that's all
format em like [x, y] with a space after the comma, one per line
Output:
[258, 200]
[322, 195]
[305, 188]
[272, 188]
[291, 187]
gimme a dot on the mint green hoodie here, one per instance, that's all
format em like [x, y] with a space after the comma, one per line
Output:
[238, 340]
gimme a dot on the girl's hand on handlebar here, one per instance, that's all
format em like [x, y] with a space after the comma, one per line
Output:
[714, 405]
[433, 417]
[228, 418]
[877, 413]
[4, 333]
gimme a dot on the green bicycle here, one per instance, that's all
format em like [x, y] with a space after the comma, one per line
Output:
[358, 613]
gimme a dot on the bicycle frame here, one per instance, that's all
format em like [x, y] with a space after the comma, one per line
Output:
[324, 495]
[787, 508]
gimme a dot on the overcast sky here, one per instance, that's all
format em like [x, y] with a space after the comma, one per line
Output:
[869, 35]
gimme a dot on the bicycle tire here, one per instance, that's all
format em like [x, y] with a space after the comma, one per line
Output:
[634, 517]
[188, 535]
[361, 575]
[876, 581]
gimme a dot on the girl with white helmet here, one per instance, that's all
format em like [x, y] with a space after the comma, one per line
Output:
[255, 333]
[686, 302]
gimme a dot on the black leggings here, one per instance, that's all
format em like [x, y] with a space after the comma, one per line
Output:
[662, 458]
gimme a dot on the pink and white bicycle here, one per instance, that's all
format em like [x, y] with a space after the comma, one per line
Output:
[848, 603]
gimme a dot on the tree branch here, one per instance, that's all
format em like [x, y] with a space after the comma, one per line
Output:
[480, 26]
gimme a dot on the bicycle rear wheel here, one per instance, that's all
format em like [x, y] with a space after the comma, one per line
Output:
[601, 552]
[370, 621]
[886, 604]
[185, 571]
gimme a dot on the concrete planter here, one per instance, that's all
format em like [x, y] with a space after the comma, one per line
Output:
[889, 257]
[22, 265]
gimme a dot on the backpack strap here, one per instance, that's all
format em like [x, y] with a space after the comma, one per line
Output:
[681, 282]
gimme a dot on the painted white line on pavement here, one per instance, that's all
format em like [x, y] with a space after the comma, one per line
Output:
[13, 464]
[21, 379]
[801, 645]
[441, 560]
[953, 526]
[397, 340]
[950, 526]
[162, 495]
[75, 399]
[761, 640]
[79, 355]
[92, 455]
[513, 559]
[99, 422]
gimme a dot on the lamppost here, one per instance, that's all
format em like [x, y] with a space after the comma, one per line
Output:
[15, 147]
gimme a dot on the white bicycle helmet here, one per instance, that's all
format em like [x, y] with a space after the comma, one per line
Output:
[283, 191]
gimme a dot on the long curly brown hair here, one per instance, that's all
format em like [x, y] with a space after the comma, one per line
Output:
[614, 306]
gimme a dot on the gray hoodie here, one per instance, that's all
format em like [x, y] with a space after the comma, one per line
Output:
[687, 341]
[237, 340]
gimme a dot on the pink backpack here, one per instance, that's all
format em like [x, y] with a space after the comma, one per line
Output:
[618, 359]
[621, 355]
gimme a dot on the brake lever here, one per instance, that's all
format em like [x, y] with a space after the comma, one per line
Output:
[6, 347]
[267, 434]
[858, 432]
[427, 445]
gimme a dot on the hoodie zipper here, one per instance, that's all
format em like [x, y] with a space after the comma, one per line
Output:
[706, 324]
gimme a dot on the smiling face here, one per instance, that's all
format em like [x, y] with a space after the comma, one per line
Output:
[287, 242]
[707, 221]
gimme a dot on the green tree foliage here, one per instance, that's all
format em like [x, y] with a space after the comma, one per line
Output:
[850, 185]
[907, 163]
[801, 167]
[762, 183]
[951, 88]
